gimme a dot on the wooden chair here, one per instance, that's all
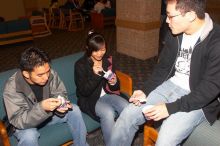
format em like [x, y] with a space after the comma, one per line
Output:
[65, 14]
[76, 21]
[3, 135]
[48, 16]
[125, 83]
[56, 18]
[39, 26]
[150, 134]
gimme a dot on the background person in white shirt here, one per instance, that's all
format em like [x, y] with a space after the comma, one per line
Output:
[102, 4]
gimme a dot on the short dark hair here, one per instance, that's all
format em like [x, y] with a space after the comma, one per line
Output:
[198, 6]
[33, 57]
[94, 42]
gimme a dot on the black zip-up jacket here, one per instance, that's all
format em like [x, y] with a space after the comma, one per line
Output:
[89, 84]
[204, 79]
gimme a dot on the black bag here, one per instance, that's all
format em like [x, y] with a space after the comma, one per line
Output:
[9, 127]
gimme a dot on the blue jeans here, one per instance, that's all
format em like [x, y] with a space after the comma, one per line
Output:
[173, 130]
[29, 137]
[107, 108]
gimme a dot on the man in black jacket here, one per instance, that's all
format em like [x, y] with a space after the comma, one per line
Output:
[184, 87]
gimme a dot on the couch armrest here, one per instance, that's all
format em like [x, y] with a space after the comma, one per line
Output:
[3, 135]
[125, 82]
[150, 134]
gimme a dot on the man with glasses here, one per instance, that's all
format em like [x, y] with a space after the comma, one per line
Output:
[184, 87]
[31, 100]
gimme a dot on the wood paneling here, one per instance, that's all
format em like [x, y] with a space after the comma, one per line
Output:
[213, 8]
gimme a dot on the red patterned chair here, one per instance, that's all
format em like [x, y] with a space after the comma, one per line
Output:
[106, 17]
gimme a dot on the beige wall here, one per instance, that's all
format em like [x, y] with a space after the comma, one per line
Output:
[11, 9]
[43, 3]
[46, 3]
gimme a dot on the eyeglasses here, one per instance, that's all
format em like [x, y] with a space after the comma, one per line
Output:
[171, 17]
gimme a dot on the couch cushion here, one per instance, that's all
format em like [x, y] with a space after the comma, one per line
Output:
[65, 69]
[72, 98]
[18, 25]
[3, 77]
[108, 12]
[3, 28]
[91, 124]
[61, 134]
[205, 135]
[53, 135]
[13, 141]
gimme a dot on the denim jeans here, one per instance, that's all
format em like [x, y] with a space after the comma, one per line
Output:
[29, 137]
[107, 109]
[174, 129]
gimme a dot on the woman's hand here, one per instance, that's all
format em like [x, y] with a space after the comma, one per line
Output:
[97, 69]
[113, 80]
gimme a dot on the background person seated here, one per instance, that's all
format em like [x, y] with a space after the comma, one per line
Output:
[88, 5]
[102, 4]
[71, 4]
[54, 4]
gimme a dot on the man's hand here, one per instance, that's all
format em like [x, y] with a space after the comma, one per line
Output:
[50, 104]
[64, 109]
[157, 112]
[137, 97]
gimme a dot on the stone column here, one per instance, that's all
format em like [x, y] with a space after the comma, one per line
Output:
[138, 23]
